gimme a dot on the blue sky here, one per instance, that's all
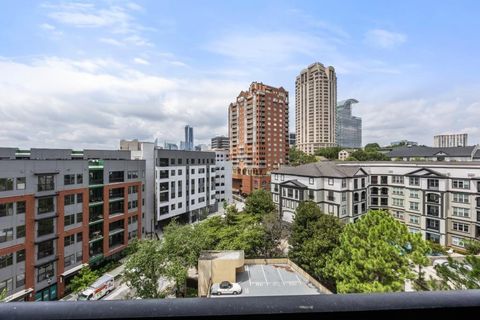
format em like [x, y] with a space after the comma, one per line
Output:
[88, 73]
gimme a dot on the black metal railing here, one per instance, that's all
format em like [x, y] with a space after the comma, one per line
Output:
[414, 305]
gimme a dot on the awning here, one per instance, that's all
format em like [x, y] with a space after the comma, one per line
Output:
[73, 270]
[18, 295]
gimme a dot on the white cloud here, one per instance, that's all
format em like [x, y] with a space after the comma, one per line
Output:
[47, 26]
[141, 61]
[384, 39]
[112, 42]
[94, 103]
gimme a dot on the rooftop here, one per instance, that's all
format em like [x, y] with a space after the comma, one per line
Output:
[224, 254]
[273, 280]
[423, 151]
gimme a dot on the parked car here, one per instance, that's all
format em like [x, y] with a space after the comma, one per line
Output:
[226, 287]
[439, 262]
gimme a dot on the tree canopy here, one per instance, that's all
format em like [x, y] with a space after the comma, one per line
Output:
[457, 275]
[83, 280]
[297, 157]
[361, 155]
[372, 147]
[259, 203]
[314, 236]
[331, 153]
[375, 254]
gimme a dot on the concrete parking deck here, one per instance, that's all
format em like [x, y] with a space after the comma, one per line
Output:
[273, 280]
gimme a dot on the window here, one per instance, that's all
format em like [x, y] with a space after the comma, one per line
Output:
[69, 260]
[355, 183]
[461, 212]
[414, 219]
[20, 280]
[45, 249]
[45, 205]
[79, 217]
[21, 183]
[433, 224]
[68, 179]
[132, 175]
[69, 199]
[45, 272]
[6, 260]
[344, 183]
[45, 226]
[46, 183]
[79, 178]
[414, 194]
[180, 172]
[21, 231]
[20, 255]
[164, 210]
[330, 181]
[384, 201]
[116, 176]
[397, 179]
[163, 162]
[414, 206]
[384, 179]
[163, 174]
[397, 202]
[432, 183]
[310, 180]
[398, 214]
[460, 184]
[193, 171]
[172, 161]
[462, 227]
[69, 240]
[460, 197]
[6, 209]
[179, 205]
[414, 181]
[69, 220]
[193, 201]
[397, 191]
[79, 237]
[164, 197]
[374, 179]
[6, 184]
[172, 173]
[275, 177]
[21, 207]
[6, 285]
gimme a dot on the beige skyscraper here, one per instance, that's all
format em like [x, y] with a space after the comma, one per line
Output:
[315, 101]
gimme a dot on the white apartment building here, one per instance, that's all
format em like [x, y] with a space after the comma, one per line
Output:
[450, 140]
[223, 177]
[440, 200]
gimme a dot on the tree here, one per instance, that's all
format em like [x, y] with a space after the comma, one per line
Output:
[375, 255]
[273, 231]
[297, 157]
[330, 153]
[372, 147]
[3, 295]
[145, 268]
[259, 203]
[314, 236]
[83, 280]
[457, 275]
[472, 247]
[362, 155]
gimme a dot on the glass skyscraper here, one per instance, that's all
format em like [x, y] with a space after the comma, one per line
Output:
[348, 130]
[189, 138]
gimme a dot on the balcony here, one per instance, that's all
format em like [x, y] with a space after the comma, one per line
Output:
[42, 187]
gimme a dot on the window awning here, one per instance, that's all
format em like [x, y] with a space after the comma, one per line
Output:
[18, 295]
[73, 270]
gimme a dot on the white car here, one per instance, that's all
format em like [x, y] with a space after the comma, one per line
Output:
[440, 262]
[226, 287]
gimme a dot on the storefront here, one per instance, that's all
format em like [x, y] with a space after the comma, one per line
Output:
[47, 294]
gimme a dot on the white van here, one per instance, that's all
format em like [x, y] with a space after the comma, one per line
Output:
[100, 288]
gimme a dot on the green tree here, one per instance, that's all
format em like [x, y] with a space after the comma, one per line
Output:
[472, 247]
[297, 157]
[314, 236]
[457, 275]
[362, 155]
[372, 147]
[83, 280]
[375, 255]
[331, 153]
[145, 268]
[259, 203]
[3, 295]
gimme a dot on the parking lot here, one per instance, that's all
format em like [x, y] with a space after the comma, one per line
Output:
[273, 280]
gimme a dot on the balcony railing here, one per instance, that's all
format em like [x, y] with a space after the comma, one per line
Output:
[413, 305]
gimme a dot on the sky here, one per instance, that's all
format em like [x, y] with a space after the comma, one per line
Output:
[85, 74]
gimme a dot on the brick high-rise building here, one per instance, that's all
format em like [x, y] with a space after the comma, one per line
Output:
[258, 130]
[315, 102]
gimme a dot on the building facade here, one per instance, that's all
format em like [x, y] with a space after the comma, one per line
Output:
[315, 102]
[439, 200]
[348, 132]
[292, 139]
[189, 144]
[422, 153]
[450, 140]
[223, 177]
[220, 143]
[258, 131]
[61, 210]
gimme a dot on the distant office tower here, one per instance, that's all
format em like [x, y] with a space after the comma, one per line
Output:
[258, 130]
[202, 147]
[182, 145]
[221, 143]
[292, 139]
[348, 128]
[450, 140]
[315, 101]
[189, 138]
[170, 146]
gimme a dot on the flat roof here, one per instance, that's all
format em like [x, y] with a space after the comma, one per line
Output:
[272, 280]
[221, 254]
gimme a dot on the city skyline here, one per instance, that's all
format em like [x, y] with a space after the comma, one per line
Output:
[144, 69]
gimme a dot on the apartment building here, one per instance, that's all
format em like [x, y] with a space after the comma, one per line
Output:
[220, 143]
[450, 140]
[179, 184]
[440, 200]
[61, 210]
[258, 131]
[223, 177]
[315, 102]
[423, 153]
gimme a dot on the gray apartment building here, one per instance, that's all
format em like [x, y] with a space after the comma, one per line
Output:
[220, 143]
[61, 210]
[348, 129]
[440, 200]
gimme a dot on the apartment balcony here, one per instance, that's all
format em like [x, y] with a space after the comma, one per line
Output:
[42, 187]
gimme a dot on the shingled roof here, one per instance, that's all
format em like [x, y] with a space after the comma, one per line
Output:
[422, 151]
[320, 169]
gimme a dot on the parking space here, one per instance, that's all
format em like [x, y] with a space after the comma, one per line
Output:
[273, 280]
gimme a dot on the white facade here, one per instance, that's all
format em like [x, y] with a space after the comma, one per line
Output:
[439, 200]
[223, 177]
[450, 140]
